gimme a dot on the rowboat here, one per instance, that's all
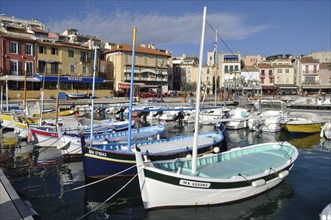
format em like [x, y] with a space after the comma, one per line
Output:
[71, 145]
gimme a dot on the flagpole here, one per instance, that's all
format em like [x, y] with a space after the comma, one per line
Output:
[131, 85]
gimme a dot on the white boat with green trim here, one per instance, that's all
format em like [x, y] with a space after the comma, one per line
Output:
[219, 178]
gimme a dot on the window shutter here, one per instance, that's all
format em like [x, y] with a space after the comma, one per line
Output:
[19, 68]
[18, 48]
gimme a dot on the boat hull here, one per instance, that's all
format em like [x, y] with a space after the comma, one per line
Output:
[303, 128]
[7, 121]
[231, 176]
[74, 148]
[100, 163]
[161, 193]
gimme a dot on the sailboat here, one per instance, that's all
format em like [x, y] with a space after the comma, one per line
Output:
[213, 178]
[101, 160]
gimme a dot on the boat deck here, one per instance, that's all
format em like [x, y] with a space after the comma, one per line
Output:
[235, 163]
[175, 145]
[246, 165]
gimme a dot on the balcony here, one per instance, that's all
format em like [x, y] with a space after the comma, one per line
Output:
[310, 73]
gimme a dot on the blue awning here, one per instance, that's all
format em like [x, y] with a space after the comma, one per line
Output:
[72, 79]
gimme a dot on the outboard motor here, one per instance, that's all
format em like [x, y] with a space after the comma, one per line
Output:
[180, 116]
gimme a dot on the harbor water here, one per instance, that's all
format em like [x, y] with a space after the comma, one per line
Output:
[54, 186]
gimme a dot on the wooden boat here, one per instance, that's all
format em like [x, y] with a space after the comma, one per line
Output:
[101, 160]
[71, 145]
[49, 135]
[233, 175]
[214, 178]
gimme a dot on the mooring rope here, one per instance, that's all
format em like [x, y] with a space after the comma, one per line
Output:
[110, 197]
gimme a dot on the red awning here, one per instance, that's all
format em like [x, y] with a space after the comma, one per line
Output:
[123, 85]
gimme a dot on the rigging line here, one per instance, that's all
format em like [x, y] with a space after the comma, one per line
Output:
[118, 191]
[108, 177]
[226, 46]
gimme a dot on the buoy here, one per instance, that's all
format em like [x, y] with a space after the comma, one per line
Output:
[283, 174]
[216, 150]
[259, 182]
[188, 156]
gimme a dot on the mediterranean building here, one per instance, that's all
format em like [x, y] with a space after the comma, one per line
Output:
[229, 67]
[307, 75]
[150, 67]
[253, 60]
[250, 81]
[325, 77]
[322, 56]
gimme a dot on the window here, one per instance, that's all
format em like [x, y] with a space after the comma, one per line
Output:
[29, 68]
[72, 68]
[307, 69]
[14, 67]
[54, 51]
[83, 56]
[279, 70]
[236, 68]
[13, 47]
[54, 68]
[310, 79]
[71, 53]
[270, 72]
[29, 49]
[315, 68]
[208, 71]
[42, 49]
[41, 66]
[84, 70]
[226, 69]
[262, 72]
[287, 70]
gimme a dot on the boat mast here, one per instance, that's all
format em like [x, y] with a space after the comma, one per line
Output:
[57, 99]
[42, 98]
[24, 102]
[131, 85]
[93, 87]
[215, 57]
[197, 102]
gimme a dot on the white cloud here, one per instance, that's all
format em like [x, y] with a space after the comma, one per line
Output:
[157, 28]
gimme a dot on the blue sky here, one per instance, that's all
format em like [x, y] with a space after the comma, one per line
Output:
[250, 27]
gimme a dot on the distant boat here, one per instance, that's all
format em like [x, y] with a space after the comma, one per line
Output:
[73, 148]
[77, 96]
[326, 130]
[303, 123]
